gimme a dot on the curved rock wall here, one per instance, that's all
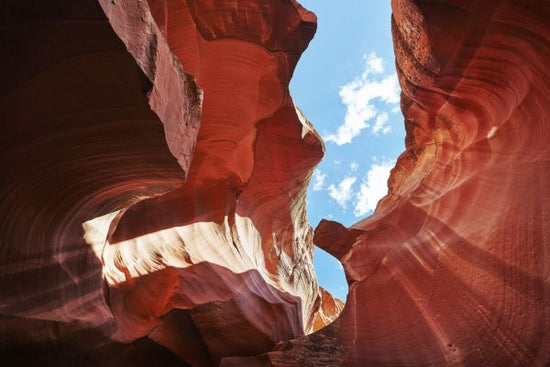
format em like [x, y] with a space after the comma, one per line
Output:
[187, 227]
[78, 140]
[182, 236]
[233, 242]
[453, 268]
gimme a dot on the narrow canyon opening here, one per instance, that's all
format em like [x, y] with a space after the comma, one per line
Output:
[156, 172]
[346, 83]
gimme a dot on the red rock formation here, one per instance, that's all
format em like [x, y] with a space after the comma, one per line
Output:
[233, 243]
[192, 248]
[78, 140]
[454, 266]
[201, 232]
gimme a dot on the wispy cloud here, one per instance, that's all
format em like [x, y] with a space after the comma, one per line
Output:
[354, 166]
[358, 97]
[318, 180]
[373, 188]
[381, 124]
[343, 192]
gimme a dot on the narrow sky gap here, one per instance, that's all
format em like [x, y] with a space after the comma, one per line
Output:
[347, 86]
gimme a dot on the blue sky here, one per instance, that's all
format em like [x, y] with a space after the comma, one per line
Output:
[345, 83]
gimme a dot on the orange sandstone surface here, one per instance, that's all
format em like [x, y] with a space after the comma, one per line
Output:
[155, 194]
[155, 174]
[453, 268]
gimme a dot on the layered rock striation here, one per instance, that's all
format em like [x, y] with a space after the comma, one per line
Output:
[153, 201]
[158, 204]
[453, 268]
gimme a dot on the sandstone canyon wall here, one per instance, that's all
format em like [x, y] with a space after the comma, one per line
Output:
[153, 201]
[155, 190]
[453, 268]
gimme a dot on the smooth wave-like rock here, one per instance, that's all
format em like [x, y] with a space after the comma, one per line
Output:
[154, 195]
[78, 140]
[453, 268]
[153, 205]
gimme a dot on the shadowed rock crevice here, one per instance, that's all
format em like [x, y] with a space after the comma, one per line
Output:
[78, 140]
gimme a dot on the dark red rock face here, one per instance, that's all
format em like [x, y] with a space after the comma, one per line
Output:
[78, 140]
[153, 200]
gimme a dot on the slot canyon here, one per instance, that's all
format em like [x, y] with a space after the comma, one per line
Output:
[155, 174]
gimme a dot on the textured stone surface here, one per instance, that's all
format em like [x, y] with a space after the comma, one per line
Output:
[179, 237]
[454, 266]
[78, 140]
[232, 245]
[181, 232]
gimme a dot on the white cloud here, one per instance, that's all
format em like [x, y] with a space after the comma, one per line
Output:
[381, 124]
[354, 166]
[374, 63]
[343, 192]
[358, 97]
[318, 180]
[373, 188]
